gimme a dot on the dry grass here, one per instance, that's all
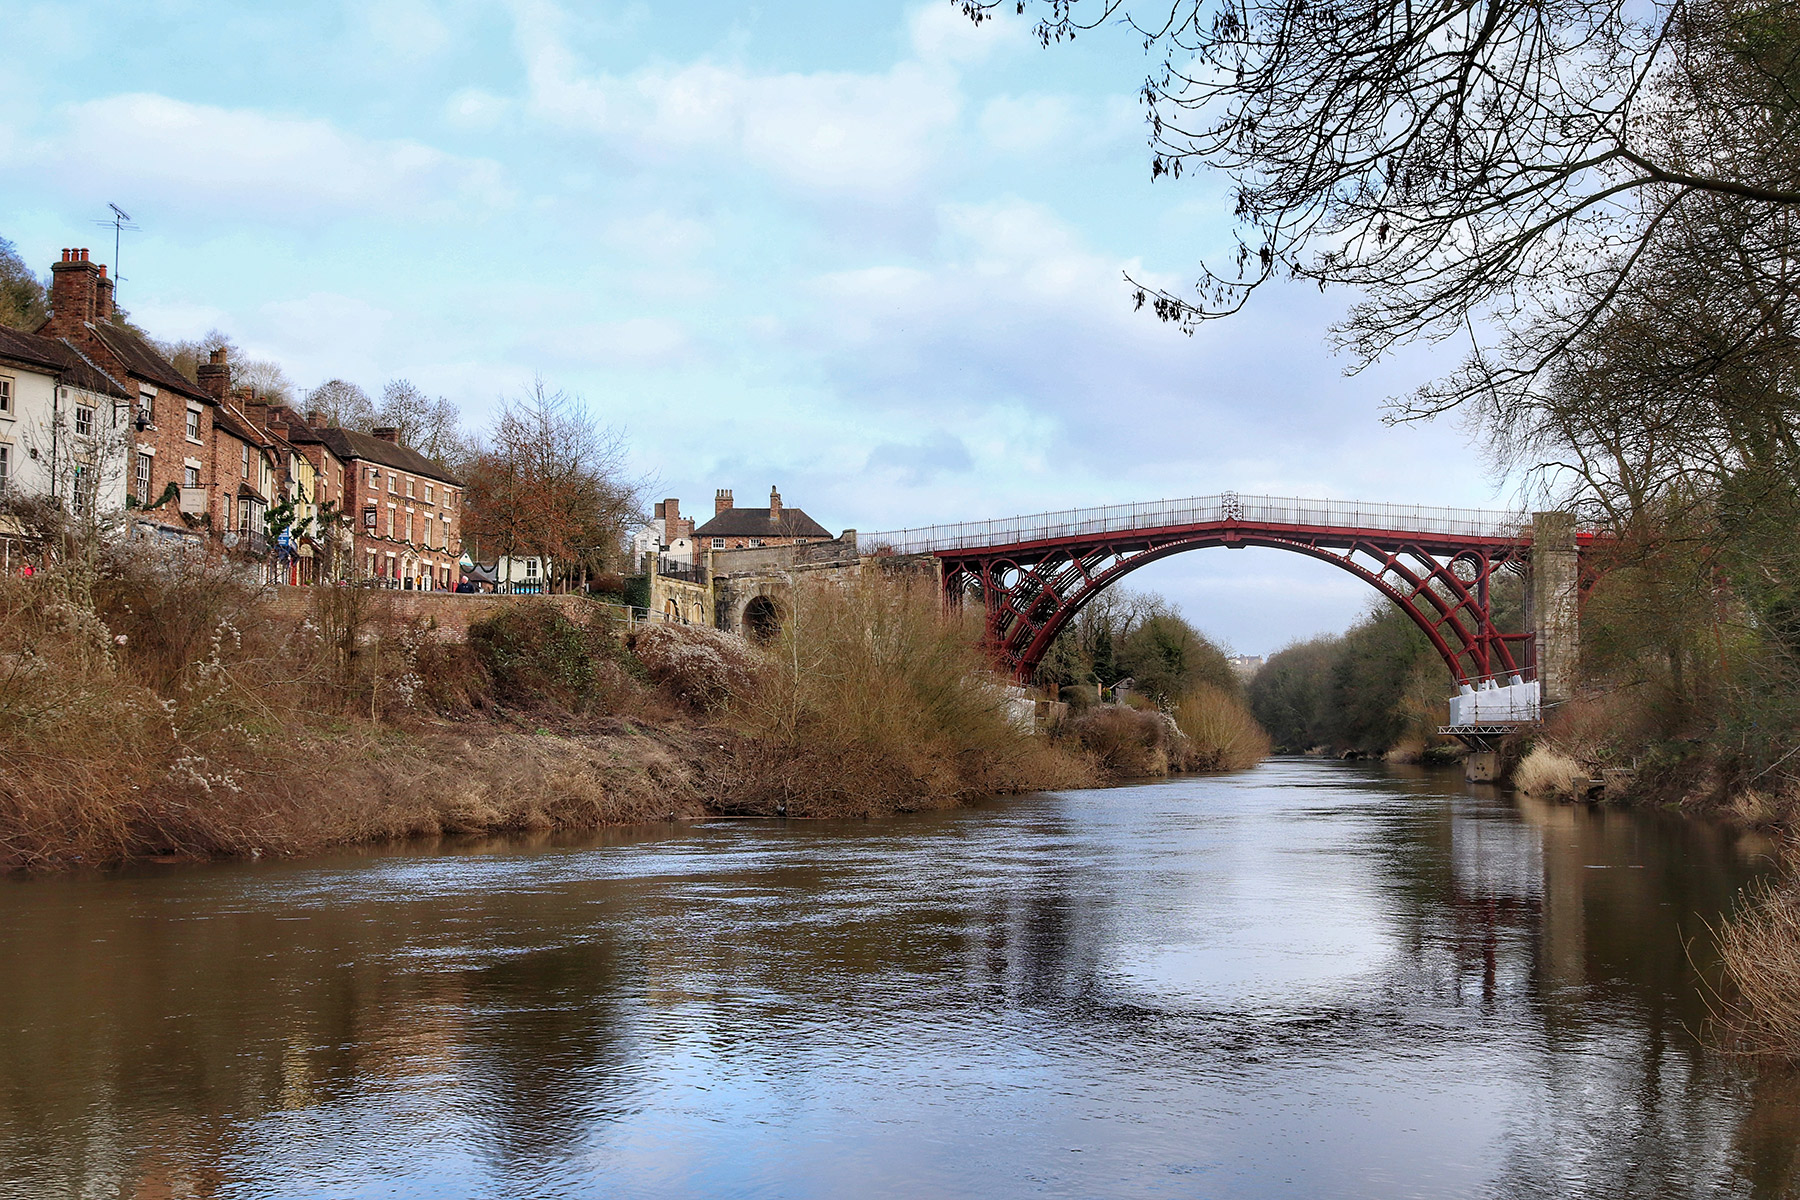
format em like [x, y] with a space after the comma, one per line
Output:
[873, 694]
[1760, 949]
[1549, 774]
[166, 710]
[1221, 734]
[1125, 741]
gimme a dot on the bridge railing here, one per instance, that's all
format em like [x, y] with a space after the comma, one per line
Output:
[1203, 510]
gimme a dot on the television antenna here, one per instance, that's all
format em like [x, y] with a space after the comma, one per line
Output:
[121, 224]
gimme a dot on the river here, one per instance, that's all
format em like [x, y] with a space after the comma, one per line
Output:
[1311, 979]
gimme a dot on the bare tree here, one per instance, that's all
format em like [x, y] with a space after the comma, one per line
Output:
[1463, 165]
[550, 480]
[431, 425]
[343, 404]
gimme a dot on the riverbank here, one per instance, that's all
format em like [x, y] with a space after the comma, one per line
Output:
[158, 708]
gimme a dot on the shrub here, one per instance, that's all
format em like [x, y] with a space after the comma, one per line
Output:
[877, 675]
[1549, 774]
[1221, 734]
[1124, 740]
[702, 668]
[538, 656]
[1760, 949]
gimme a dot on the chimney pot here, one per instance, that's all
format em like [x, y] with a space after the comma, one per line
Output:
[84, 256]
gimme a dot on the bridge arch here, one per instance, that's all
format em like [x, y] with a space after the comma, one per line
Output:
[1034, 574]
[1452, 611]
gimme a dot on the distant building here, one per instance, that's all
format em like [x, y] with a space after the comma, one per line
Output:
[733, 528]
[1246, 665]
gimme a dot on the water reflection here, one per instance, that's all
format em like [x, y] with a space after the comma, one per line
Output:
[1309, 979]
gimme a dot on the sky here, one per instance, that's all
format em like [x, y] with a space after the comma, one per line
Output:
[869, 253]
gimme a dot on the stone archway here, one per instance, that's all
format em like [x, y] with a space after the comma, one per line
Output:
[762, 619]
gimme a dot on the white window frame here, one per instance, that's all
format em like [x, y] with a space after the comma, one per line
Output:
[193, 424]
[6, 395]
[141, 470]
[190, 476]
[5, 467]
[84, 420]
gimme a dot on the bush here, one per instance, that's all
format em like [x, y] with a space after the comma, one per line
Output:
[1221, 734]
[1548, 774]
[537, 656]
[701, 668]
[879, 685]
[1760, 949]
[1124, 740]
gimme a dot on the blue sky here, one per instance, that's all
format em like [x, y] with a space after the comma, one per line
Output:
[867, 252]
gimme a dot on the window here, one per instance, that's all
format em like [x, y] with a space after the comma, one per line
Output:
[246, 459]
[147, 403]
[531, 568]
[370, 569]
[143, 480]
[80, 490]
[84, 421]
[718, 543]
[409, 487]
[6, 386]
[390, 522]
[393, 484]
[374, 478]
[191, 477]
[409, 518]
[428, 493]
[5, 466]
[193, 428]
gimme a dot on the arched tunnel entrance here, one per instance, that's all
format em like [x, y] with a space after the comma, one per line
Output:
[762, 620]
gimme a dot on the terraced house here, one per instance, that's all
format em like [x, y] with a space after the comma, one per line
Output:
[405, 510]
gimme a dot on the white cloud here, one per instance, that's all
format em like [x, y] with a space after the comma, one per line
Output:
[476, 109]
[846, 132]
[200, 158]
[941, 33]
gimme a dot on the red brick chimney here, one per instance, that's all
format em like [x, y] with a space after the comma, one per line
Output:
[315, 418]
[721, 500]
[74, 294]
[387, 433]
[103, 296]
[214, 375]
[774, 506]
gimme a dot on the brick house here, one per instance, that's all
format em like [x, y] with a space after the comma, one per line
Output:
[169, 479]
[405, 509]
[733, 528]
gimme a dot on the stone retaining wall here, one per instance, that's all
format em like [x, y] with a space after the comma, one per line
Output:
[451, 612]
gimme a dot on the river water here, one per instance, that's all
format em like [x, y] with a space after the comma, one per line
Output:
[1311, 979]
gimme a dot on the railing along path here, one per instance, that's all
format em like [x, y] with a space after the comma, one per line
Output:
[1204, 510]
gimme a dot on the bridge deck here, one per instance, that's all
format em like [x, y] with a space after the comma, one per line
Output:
[1362, 517]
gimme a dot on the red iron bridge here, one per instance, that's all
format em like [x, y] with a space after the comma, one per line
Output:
[1034, 573]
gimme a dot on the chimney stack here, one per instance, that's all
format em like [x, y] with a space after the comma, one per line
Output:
[103, 296]
[214, 374]
[74, 294]
[721, 501]
[774, 507]
[387, 433]
[315, 418]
